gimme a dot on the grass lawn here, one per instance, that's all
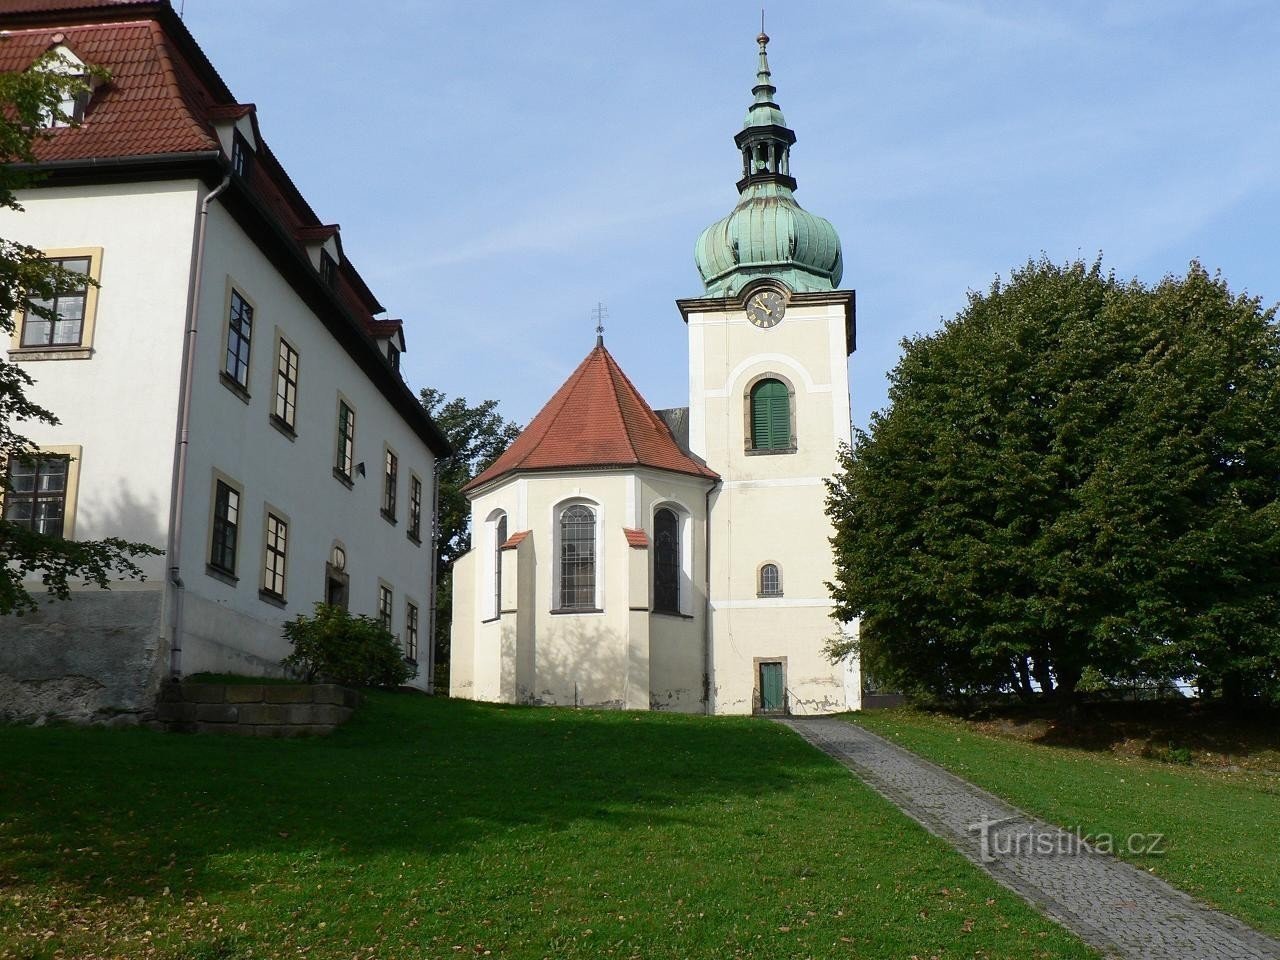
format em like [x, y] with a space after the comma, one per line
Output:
[1221, 826]
[436, 828]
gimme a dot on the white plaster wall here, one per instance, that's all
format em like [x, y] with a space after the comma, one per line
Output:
[770, 508]
[120, 405]
[582, 657]
[294, 476]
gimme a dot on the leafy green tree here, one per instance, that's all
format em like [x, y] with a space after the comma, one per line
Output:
[25, 100]
[1074, 474]
[479, 435]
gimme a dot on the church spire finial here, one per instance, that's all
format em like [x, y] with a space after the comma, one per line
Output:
[599, 313]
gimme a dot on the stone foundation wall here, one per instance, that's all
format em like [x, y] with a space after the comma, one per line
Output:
[255, 710]
[96, 658]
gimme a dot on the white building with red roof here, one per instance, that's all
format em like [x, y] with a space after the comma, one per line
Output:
[680, 561]
[229, 391]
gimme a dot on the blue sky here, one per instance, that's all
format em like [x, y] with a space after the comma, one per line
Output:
[497, 168]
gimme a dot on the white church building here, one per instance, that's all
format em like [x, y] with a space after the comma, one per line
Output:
[678, 559]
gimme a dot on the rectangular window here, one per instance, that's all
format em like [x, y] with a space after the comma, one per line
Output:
[346, 440]
[389, 475]
[286, 407]
[59, 320]
[411, 632]
[415, 509]
[328, 269]
[37, 494]
[226, 528]
[273, 561]
[394, 356]
[240, 156]
[385, 602]
[239, 333]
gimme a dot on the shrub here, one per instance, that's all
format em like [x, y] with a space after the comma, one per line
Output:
[335, 647]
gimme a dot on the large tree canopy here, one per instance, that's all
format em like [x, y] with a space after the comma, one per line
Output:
[26, 99]
[478, 435]
[1074, 473]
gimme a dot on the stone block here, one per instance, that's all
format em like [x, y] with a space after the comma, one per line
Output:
[332, 693]
[216, 712]
[245, 693]
[278, 730]
[169, 712]
[299, 693]
[235, 729]
[204, 692]
[264, 713]
[329, 714]
[170, 692]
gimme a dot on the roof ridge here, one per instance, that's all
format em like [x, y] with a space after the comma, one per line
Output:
[611, 367]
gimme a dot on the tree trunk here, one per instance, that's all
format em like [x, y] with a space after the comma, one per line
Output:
[1023, 677]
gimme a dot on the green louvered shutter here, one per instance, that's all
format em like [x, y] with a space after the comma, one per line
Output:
[770, 416]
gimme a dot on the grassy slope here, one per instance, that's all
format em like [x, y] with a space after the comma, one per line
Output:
[1220, 827]
[433, 828]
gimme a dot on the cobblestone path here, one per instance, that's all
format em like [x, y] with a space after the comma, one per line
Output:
[1117, 908]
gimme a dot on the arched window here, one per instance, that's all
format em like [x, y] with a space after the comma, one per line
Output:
[770, 581]
[499, 538]
[770, 416]
[577, 558]
[666, 561]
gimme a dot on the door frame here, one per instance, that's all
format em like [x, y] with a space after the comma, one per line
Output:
[757, 696]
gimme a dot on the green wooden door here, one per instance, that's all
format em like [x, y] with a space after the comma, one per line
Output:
[772, 688]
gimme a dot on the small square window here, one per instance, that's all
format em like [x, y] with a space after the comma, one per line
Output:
[37, 493]
[59, 320]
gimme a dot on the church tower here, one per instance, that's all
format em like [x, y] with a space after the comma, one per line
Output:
[769, 342]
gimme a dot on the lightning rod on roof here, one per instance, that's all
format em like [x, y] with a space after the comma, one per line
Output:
[599, 313]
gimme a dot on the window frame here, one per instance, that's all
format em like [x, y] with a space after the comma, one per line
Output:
[413, 528]
[761, 592]
[88, 322]
[411, 630]
[266, 588]
[386, 606]
[229, 379]
[218, 570]
[557, 579]
[288, 425]
[71, 485]
[677, 568]
[390, 483]
[748, 398]
[345, 443]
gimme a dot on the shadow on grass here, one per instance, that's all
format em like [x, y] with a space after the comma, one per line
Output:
[119, 813]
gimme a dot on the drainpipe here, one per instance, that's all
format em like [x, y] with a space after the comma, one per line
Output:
[433, 585]
[708, 707]
[182, 441]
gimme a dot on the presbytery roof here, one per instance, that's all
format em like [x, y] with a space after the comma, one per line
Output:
[596, 420]
[768, 234]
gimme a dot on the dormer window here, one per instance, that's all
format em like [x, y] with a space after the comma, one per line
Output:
[77, 89]
[240, 156]
[328, 269]
[394, 356]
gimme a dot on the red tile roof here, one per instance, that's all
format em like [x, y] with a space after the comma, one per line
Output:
[636, 538]
[597, 419]
[515, 540]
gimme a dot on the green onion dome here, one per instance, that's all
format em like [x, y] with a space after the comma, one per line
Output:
[768, 234]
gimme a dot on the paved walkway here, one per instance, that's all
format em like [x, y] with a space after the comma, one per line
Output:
[1117, 908]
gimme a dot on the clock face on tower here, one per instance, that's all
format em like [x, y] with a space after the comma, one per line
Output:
[766, 307]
